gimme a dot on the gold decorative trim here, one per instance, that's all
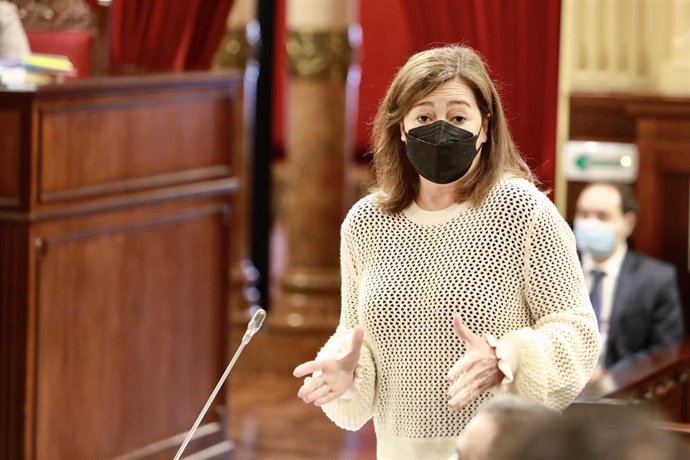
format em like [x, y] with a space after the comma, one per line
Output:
[660, 387]
[55, 14]
[319, 55]
[234, 51]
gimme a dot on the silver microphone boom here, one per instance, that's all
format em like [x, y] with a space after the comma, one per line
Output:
[253, 326]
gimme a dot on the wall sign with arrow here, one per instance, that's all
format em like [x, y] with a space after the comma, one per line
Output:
[601, 161]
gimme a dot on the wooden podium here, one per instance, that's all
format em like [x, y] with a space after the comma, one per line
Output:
[115, 219]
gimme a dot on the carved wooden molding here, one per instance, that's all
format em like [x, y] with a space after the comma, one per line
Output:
[55, 14]
[662, 386]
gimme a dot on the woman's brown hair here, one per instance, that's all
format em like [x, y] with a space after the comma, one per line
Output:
[397, 182]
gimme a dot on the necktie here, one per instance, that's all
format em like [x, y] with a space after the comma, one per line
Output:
[595, 292]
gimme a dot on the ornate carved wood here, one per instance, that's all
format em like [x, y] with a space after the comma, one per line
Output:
[55, 14]
[661, 380]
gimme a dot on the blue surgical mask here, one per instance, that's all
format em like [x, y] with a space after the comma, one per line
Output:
[595, 237]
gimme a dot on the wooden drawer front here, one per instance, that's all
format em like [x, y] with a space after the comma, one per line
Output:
[10, 157]
[116, 145]
[130, 332]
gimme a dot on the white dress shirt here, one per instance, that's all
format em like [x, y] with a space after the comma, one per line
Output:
[611, 268]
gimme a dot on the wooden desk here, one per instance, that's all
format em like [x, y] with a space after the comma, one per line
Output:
[115, 200]
[660, 380]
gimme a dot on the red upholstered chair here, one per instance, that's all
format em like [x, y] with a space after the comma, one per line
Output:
[77, 45]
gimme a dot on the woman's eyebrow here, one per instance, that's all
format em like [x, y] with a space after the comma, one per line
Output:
[452, 102]
[460, 102]
[424, 103]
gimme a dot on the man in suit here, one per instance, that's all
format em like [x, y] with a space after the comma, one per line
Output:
[635, 297]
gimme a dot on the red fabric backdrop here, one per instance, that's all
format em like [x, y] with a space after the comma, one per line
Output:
[167, 34]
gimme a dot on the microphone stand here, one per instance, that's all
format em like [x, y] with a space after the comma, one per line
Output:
[253, 326]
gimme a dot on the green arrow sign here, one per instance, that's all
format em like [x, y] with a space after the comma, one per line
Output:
[583, 162]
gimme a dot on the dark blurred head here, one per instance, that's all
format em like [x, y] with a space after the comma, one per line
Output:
[499, 415]
[595, 432]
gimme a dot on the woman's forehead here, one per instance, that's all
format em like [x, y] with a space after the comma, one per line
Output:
[450, 92]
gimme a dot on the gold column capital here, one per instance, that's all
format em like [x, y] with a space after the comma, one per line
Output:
[239, 45]
[233, 52]
[324, 55]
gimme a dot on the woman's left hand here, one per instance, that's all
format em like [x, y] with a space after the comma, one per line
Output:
[475, 372]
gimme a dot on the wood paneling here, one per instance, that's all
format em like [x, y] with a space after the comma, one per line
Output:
[10, 157]
[113, 273]
[13, 337]
[128, 139]
[155, 289]
[600, 117]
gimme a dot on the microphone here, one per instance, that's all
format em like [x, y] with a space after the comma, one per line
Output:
[253, 326]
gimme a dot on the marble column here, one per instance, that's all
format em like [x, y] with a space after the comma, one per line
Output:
[323, 81]
[238, 51]
[674, 76]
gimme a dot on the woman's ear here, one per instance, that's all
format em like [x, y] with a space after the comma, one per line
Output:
[402, 132]
[485, 129]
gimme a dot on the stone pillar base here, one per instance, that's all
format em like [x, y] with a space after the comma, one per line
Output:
[309, 300]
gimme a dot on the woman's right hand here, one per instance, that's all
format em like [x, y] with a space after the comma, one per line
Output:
[332, 377]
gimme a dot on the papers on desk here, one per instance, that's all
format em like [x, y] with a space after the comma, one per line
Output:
[49, 63]
[35, 69]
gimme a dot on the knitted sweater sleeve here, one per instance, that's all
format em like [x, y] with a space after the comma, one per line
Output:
[552, 360]
[352, 410]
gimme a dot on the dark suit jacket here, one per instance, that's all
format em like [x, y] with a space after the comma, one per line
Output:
[646, 312]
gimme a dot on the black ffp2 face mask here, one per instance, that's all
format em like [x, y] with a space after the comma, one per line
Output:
[440, 152]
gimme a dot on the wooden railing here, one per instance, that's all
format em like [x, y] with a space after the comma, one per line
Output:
[660, 380]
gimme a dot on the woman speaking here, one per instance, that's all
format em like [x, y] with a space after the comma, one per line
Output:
[459, 277]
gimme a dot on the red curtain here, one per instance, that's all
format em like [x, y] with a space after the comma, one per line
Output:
[166, 34]
[519, 40]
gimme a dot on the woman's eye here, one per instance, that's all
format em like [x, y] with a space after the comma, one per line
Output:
[423, 118]
[458, 119]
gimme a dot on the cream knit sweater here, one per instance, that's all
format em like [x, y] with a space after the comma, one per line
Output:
[509, 267]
